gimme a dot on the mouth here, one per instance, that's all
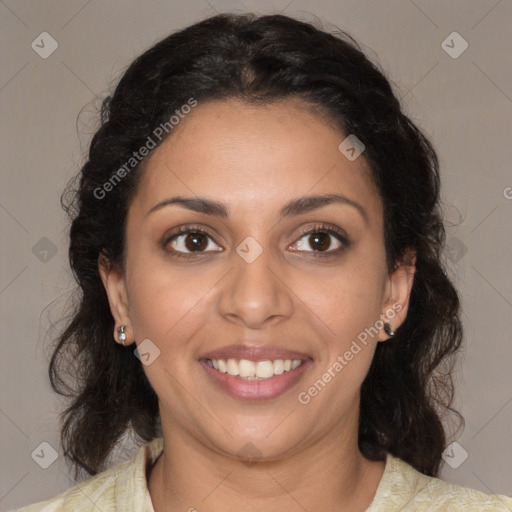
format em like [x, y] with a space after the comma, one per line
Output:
[254, 370]
[245, 379]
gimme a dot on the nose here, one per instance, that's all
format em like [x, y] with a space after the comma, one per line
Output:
[255, 293]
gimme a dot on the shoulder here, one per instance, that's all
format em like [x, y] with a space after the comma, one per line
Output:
[404, 488]
[99, 488]
[121, 487]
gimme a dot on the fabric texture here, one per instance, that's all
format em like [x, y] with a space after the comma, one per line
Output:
[402, 488]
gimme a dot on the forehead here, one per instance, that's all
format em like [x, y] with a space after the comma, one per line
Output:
[254, 156]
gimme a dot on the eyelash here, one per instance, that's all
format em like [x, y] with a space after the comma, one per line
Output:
[320, 228]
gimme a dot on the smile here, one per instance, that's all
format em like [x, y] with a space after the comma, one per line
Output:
[248, 380]
[254, 370]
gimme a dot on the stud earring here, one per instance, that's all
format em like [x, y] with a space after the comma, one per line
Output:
[122, 334]
[388, 329]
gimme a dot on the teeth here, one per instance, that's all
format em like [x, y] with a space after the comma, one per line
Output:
[247, 368]
[264, 369]
[250, 370]
[279, 366]
[233, 368]
[295, 363]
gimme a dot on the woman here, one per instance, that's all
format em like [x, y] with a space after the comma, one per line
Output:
[257, 226]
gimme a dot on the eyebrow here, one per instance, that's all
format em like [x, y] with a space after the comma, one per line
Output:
[295, 207]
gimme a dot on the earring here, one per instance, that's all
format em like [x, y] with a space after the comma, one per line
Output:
[388, 329]
[122, 335]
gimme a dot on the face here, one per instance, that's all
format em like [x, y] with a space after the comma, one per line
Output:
[306, 283]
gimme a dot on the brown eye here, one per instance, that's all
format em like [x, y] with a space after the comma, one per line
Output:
[322, 241]
[196, 241]
[188, 241]
[319, 241]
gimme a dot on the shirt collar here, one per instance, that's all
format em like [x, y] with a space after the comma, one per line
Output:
[132, 494]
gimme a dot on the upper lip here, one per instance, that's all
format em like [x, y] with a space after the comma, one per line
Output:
[253, 353]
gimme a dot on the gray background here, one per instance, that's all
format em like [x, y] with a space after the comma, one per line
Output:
[463, 103]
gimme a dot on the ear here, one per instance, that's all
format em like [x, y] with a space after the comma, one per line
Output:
[398, 292]
[115, 286]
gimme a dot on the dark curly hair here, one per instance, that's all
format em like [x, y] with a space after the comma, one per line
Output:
[259, 59]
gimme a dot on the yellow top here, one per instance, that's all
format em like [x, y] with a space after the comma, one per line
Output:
[124, 488]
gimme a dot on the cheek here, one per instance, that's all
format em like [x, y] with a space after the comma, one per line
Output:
[171, 305]
[162, 299]
[345, 309]
[168, 301]
[346, 301]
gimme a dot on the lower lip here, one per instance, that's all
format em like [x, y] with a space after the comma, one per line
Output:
[256, 389]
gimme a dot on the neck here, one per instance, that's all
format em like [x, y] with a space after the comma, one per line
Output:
[190, 476]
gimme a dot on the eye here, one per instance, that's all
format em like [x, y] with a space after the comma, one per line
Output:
[188, 240]
[320, 238]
